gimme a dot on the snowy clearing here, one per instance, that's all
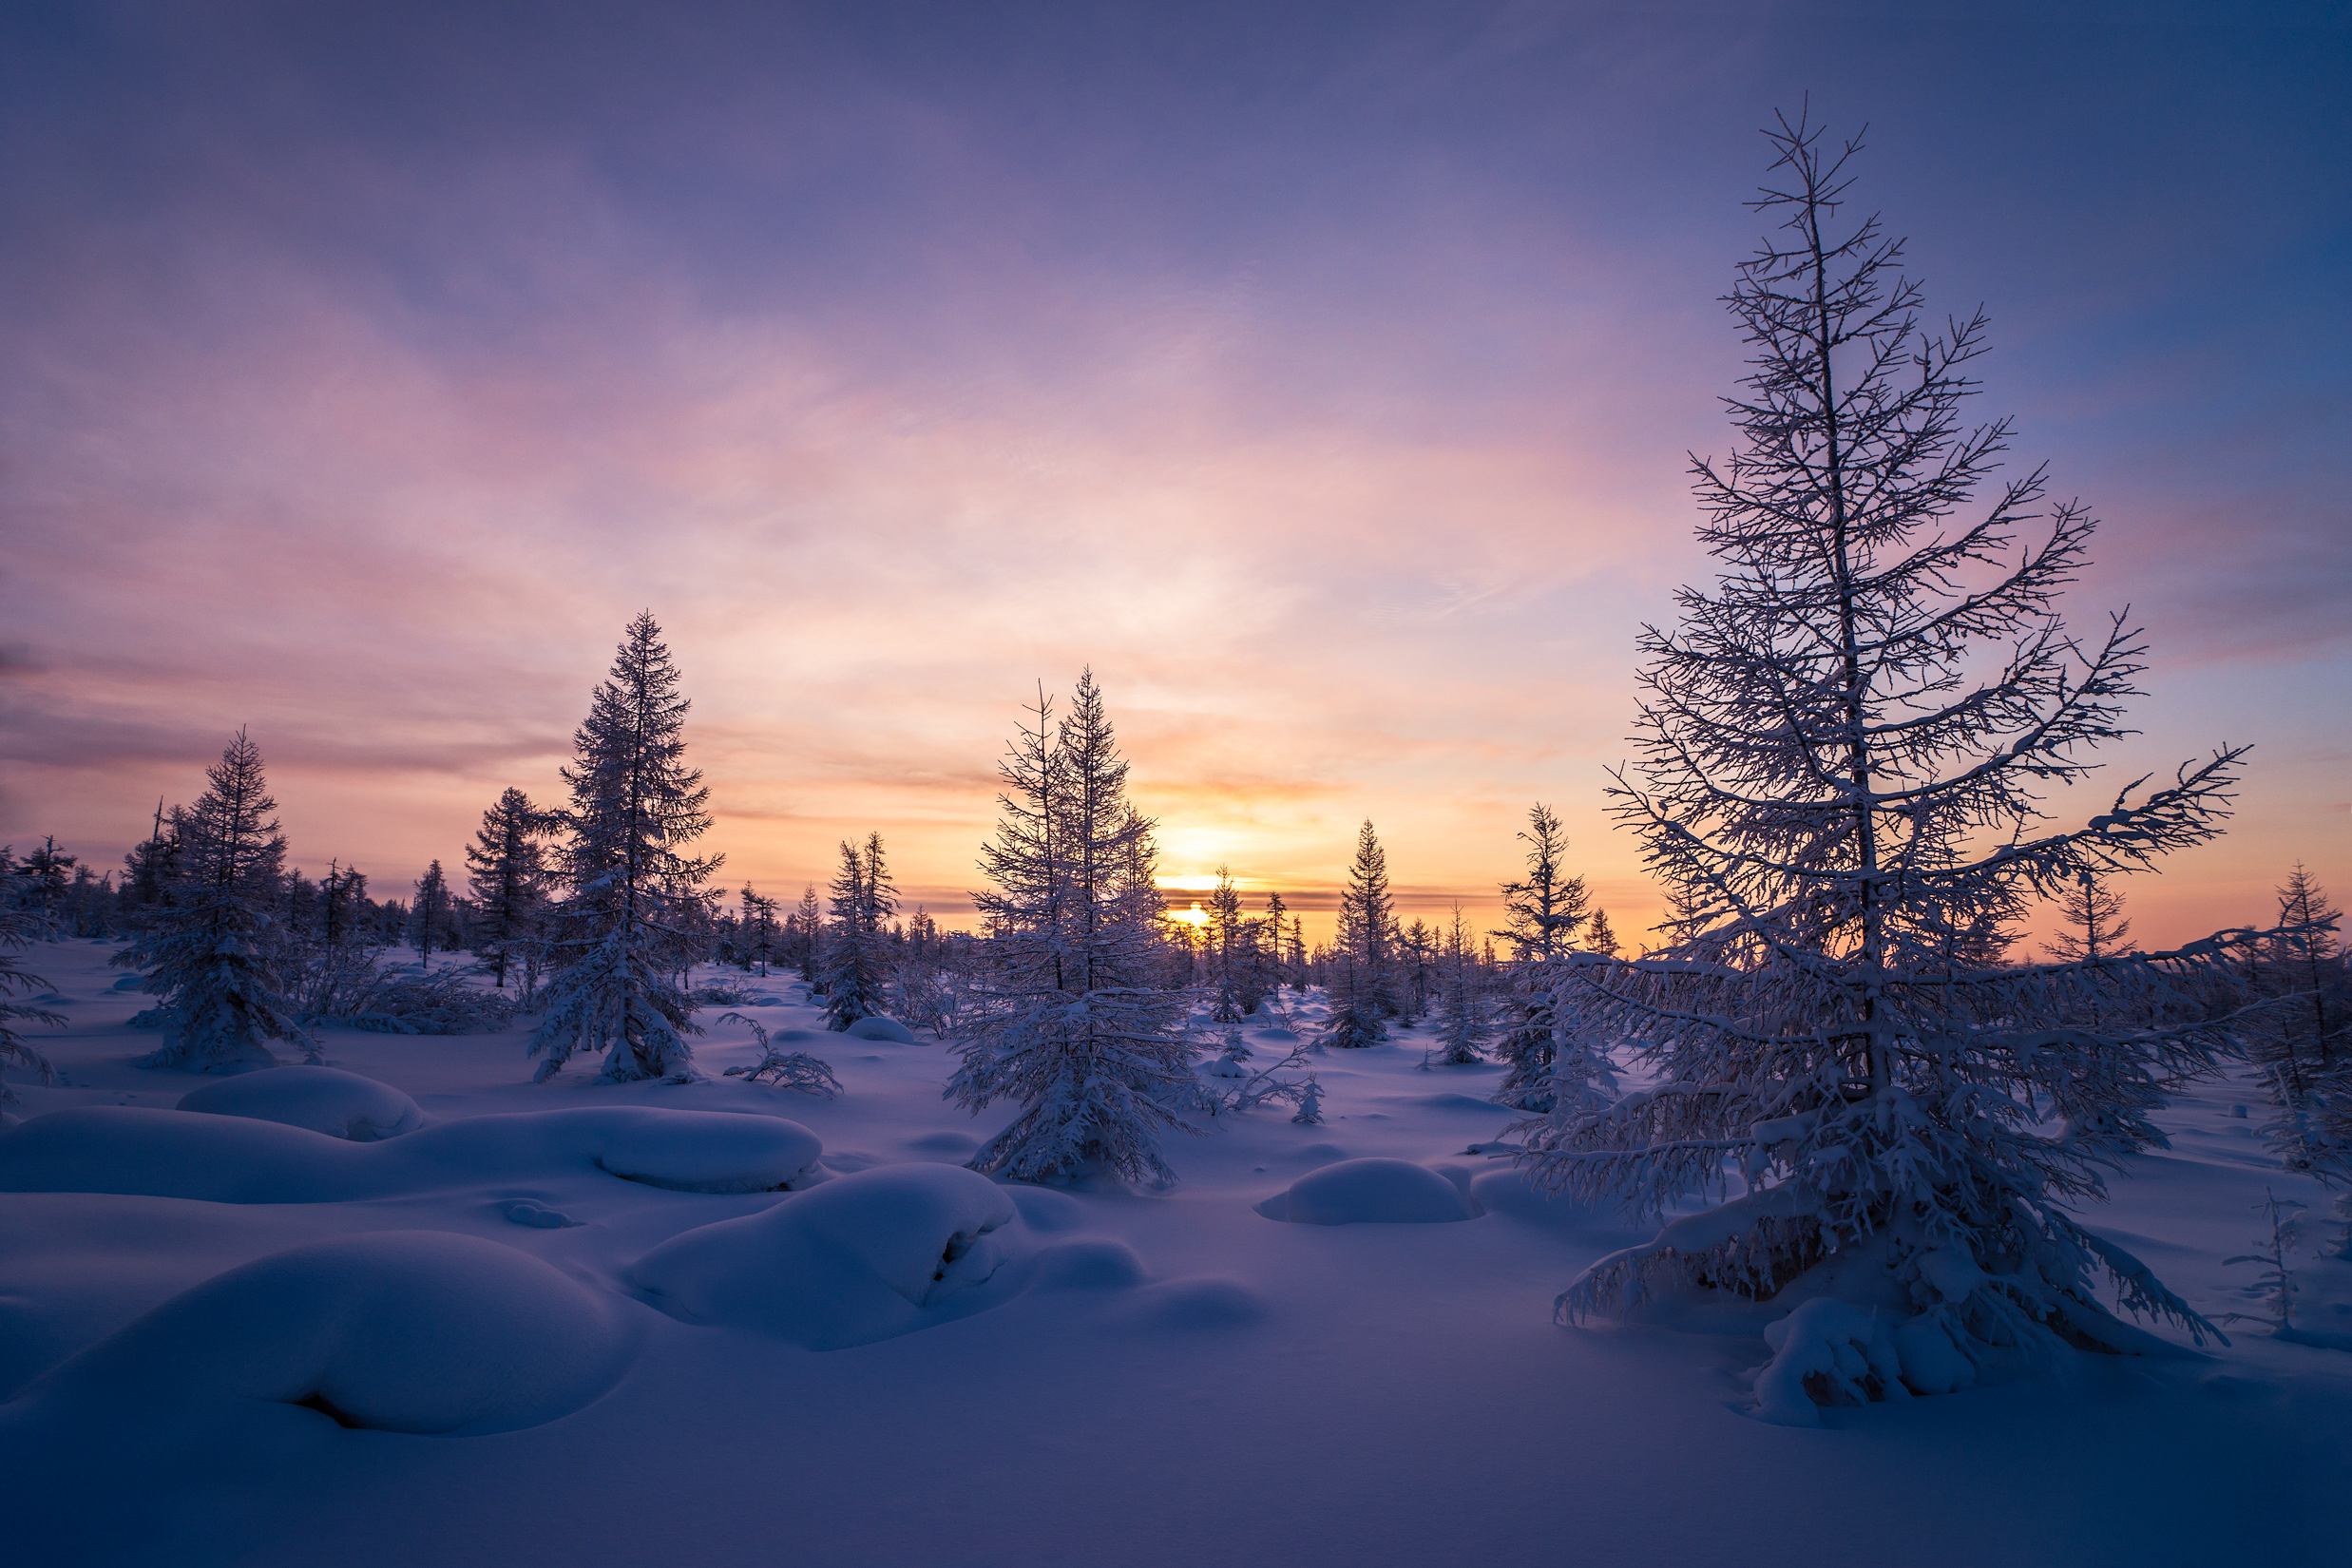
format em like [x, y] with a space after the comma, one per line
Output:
[229, 1338]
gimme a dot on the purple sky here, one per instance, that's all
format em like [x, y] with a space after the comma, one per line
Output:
[1323, 375]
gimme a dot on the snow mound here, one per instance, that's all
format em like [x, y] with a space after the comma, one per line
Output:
[1206, 1303]
[325, 1099]
[236, 1160]
[878, 1028]
[864, 1257]
[395, 1331]
[1371, 1192]
[1096, 1264]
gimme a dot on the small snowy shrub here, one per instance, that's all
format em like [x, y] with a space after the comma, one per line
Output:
[786, 1070]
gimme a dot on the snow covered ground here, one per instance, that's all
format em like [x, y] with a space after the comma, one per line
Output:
[921, 1367]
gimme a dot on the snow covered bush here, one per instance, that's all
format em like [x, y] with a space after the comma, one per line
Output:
[1843, 748]
[786, 1070]
[1071, 1025]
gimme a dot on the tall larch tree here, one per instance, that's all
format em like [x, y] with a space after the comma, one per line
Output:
[1844, 750]
[632, 896]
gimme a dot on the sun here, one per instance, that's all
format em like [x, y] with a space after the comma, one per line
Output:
[1194, 917]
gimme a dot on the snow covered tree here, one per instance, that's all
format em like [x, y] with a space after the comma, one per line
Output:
[760, 930]
[804, 932]
[1363, 983]
[1461, 1008]
[1843, 749]
[429, 917]
[2304, 1042]
[631, 895]
[853, 972]
[1599, 937]
[20, 928]
[1070, 1026]
[1545, 908]
[46, 875]
[1234, 990]
[507, 866]
[212, 945]
[2093, 929]
[1269, 956]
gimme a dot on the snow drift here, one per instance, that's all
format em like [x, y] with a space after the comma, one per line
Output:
[233, 1160]
[394, 1331]
[324, 1100]
[864, 1257]
[1371, 1192]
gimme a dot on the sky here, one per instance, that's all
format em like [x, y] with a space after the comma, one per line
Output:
[1324, 378]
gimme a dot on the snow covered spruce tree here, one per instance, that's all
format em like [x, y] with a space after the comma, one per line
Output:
[632, 898]
[1463, 1023]
[854, 972]
[212, 946]
[507, 864]
[21, 925]
[2303, 1044]
[1362, 985]
[429, 917]
[1843, 751]
[1545, 908]
[1069, 1024]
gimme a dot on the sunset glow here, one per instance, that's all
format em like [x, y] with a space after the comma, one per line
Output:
[1345, 440]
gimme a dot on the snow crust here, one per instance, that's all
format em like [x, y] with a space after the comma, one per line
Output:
[324, 1100]
[877, 1027]
[1371, 1192]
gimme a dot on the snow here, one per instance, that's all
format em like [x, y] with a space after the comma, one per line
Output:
[325, 1099]
[865, 1258]
[877, 1027]
[1371, 1192]
[1150, 1379]
[417, 1331]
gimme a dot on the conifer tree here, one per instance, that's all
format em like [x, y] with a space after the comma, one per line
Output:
[212, 949]
[1274, 935]
[631, 893]
[852, 975]
[1599, 937]
[507, 865]
[805, 926]
[1070, 1026]
[1545, 908]
[430, 914]
[760, 930]
[1844, 750]
[2093, 929]
[1362, 985]
[1231, 989]
[2305, 1042]
[1462, 1027]
[20, 928]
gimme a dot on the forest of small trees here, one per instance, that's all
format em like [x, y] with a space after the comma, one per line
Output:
[1845, 745]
